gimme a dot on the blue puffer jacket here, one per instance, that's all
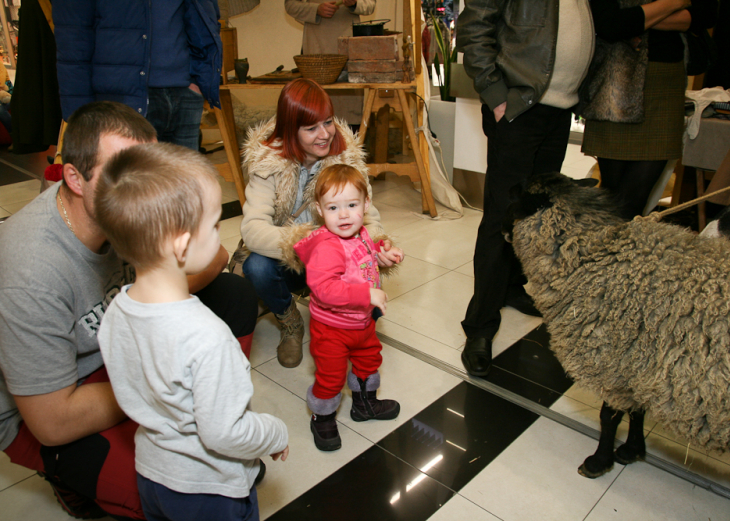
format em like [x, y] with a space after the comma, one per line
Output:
[103, 50]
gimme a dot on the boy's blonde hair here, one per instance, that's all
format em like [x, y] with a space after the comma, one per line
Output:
[148, 194]
[337, 177]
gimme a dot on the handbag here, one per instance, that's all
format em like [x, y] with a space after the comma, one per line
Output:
[700, 52]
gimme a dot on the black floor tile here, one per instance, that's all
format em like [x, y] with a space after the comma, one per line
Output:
[232, 209]
[9, 175]
[34, 164]
[459, 434]
[531, 358]
[522, 387]
[375, 486]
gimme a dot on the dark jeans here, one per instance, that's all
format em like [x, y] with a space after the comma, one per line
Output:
[272, 281]
[162, 504]
[533, 143]
[175, 112]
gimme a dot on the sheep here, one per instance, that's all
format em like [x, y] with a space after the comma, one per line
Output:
[637, 312]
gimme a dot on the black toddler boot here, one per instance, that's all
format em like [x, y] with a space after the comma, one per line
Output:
[324, 429]
[365, 405]
[323, 423]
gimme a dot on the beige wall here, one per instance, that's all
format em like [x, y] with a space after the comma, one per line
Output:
[268, 37]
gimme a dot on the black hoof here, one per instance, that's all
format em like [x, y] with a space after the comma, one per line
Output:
[627, 454]
[593, 468]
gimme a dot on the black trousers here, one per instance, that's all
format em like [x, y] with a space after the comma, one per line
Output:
[533, 143]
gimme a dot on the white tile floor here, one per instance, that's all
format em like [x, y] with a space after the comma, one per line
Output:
[535, 478]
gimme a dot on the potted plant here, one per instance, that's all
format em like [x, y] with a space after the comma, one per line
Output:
[449, 57]
[442, 112]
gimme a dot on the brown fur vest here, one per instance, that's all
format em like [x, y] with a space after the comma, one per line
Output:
[614, 87]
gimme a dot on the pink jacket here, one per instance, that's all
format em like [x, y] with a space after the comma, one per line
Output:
[340, 273]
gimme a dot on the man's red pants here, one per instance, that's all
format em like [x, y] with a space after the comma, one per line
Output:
[332, 347]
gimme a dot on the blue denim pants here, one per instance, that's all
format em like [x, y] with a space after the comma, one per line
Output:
[159, 503]
[175, 112]
[272, 281]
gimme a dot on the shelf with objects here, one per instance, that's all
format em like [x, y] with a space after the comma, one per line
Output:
[9, 32]
[404, 96]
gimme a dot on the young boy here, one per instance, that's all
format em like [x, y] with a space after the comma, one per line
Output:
[176, 368]
[342, 272]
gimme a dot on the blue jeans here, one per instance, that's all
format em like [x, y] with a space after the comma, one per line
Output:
[159, 503]
[272, 281]
[175, 112]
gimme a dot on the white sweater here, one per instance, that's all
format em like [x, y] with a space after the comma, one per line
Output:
[178, 371]
[573, 53]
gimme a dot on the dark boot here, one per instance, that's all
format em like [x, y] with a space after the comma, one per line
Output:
[73, 503]
[365, 405]
[324, 429]
[323, 423]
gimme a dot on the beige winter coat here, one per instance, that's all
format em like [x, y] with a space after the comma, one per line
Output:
[320, 37]
[271, 191]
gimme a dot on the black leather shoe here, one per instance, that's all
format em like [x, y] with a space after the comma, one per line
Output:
[477, 356]
[518, 298]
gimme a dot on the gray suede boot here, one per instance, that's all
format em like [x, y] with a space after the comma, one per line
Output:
[323, 423]
[365, 405]
[289, 352]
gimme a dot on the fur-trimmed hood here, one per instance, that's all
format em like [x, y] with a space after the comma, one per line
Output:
[273, 180]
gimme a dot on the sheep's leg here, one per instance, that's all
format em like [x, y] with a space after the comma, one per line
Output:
[635, 448]
[602, 461]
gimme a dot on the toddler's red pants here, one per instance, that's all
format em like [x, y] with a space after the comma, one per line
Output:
[332, 347]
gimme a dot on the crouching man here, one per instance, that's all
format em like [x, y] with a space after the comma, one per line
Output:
[58, 274]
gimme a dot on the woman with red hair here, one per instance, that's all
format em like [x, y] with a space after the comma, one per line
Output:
[281, 161]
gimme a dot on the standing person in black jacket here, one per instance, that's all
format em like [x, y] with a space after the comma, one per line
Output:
[527, 59]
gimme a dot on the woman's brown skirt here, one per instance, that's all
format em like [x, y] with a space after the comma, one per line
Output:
[660, 135]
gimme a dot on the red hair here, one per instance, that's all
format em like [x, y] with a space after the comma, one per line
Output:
[302, 102]
[337, 177]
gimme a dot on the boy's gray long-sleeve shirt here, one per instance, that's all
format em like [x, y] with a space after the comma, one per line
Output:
[178, 371]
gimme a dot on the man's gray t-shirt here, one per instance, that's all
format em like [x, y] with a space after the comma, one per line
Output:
[53, 294]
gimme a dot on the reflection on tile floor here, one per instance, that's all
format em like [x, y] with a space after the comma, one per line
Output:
[456, 451]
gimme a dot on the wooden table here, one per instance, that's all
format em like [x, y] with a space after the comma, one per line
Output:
[416, 171]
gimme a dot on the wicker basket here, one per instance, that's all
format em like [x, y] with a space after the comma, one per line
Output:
[322, 68]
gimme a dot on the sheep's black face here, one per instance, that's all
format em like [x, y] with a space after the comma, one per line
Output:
[527, 205]
[540, 194]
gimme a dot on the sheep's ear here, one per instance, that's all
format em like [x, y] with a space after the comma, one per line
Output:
[531, 203]
[515, 192]
[527, 205]
[588, 182]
